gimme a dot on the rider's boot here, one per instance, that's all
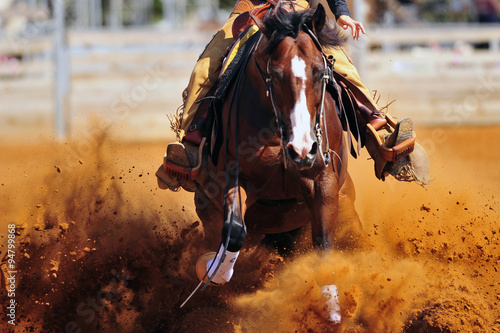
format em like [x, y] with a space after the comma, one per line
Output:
[392, 146]
[181, 166]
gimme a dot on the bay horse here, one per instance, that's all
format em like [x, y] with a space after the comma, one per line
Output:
[283, 160]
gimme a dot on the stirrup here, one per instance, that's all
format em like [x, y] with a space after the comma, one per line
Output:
[166, 182]
[404, 143]
[176, 162]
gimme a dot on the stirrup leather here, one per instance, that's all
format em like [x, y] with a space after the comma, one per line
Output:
[397, 152]
[182, 172]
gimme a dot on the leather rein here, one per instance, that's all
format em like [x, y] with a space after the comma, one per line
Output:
[320, 126]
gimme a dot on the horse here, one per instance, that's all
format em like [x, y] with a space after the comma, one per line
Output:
[283, 161]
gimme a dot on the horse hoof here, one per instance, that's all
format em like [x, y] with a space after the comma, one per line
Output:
[201, 267]
[331, 297]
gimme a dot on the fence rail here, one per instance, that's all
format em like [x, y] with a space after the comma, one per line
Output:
[444, 80]
[134, 78]
[131, 79]
[432, 34]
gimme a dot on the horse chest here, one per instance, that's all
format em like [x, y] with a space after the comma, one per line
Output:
[275, 182]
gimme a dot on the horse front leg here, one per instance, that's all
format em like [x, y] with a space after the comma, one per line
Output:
[349, 232]
[220, 265]
[325, 205]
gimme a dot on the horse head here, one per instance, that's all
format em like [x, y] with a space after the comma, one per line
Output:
[295, 68]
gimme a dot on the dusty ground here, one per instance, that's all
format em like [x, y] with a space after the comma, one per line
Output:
[100, 248]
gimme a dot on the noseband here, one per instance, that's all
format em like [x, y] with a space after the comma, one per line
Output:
[320, 125]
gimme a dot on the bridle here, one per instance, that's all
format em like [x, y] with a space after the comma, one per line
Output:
[320, 126]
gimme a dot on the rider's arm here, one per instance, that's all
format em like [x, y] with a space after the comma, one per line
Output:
[339, 8]
[342, 14]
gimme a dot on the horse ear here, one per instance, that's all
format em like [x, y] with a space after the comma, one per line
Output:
[319, 18]
[260, 24]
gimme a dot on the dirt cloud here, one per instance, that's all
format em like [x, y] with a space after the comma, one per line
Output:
[100, 248]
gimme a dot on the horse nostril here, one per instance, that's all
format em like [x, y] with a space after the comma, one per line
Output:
[314, 149]
[292, 153]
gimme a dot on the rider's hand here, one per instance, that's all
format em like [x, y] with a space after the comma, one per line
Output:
[348, 22]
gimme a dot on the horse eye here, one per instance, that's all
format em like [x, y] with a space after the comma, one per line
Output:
[277, 73]
[318, 73]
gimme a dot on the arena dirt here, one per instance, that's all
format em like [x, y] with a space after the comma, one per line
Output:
[100, 248]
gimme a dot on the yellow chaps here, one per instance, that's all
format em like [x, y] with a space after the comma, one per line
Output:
[206, 70]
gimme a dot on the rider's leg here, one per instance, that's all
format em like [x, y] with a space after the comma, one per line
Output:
[205, 72]
[380, 139]
[184, 154]
[207, 68]
[344, 66]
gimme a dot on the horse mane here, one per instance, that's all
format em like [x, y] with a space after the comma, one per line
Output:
[285, 23]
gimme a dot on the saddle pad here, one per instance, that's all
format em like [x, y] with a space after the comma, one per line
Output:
[237, 46]
[238, 54]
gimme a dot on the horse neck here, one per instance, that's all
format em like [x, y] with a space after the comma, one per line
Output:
[255, 106]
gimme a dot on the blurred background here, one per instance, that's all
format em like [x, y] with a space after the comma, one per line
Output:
[123, 64]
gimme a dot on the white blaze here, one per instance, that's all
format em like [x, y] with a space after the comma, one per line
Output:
[300, 138]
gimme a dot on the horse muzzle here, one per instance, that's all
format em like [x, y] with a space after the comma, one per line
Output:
[302, 159]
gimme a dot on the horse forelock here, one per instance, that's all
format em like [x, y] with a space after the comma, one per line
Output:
[285, 23]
